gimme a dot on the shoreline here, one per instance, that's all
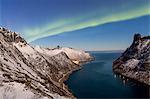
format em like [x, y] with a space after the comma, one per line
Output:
[131, 78]
[80, 65]
[66, 76]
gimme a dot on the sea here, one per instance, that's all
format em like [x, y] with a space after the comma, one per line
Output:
[96, 79]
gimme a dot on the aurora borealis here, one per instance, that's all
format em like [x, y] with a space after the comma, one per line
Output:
[37, 19]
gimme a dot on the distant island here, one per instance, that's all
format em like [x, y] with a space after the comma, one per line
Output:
[134, 63]
[35, 72]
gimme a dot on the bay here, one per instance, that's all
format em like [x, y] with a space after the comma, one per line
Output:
[97, 80]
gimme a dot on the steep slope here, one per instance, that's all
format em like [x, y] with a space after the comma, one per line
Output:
[24, 69]
[135, 61]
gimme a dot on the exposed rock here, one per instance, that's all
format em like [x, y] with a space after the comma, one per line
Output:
[34, 73]
[135, 61]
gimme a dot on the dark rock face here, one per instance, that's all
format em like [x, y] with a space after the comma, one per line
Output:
[137, 37]
[41, 74]
[135, 61]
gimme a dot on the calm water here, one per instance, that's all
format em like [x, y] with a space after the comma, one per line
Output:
[96, 80]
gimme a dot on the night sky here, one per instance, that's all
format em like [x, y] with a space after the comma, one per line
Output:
[83, 24]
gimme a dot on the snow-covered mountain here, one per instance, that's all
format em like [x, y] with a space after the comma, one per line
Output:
[135, 61]
[74, 54]
[28, 72]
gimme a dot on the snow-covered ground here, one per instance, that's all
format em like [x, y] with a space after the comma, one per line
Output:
[132, 63]
[14, 90]
[73, 54]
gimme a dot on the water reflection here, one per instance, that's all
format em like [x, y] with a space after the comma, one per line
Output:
[123, 79]
[127, 81]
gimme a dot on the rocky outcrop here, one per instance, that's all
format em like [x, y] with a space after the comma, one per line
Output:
[134, 63]
[28, 73]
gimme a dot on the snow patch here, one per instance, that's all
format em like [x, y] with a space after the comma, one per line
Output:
[132, 63]
[15, 90]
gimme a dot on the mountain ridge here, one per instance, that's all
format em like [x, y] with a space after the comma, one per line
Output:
[134, 63]
[37, 73]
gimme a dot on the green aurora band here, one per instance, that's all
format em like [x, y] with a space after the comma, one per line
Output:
[72, 24]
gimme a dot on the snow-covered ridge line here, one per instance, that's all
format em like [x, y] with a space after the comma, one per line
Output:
[74, 54]
[37, 71]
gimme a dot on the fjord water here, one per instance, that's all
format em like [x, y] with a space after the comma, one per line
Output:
[96, 80]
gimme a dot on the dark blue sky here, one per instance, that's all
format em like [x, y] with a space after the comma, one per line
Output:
[110, 36]
[84, 24]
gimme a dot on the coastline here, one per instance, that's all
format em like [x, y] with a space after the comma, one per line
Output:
[131, 78]
[66, 76]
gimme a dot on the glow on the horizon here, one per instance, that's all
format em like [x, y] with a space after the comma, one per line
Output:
[62, 26]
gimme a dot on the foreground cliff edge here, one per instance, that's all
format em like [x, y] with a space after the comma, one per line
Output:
[28, 72]
[134, 63]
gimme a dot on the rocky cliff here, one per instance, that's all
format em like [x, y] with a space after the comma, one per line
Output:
[134, 63]
[28, 72]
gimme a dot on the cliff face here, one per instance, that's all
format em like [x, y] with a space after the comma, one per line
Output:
[135, 61]
[33, 73]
